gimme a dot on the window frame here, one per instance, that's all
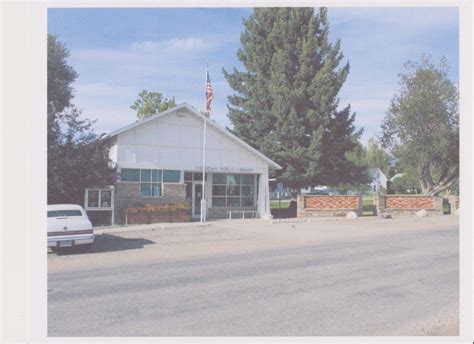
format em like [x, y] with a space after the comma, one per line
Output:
[99, 199]
[242, 180]
[151, 182]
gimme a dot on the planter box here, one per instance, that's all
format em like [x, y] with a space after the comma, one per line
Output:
[148, 215]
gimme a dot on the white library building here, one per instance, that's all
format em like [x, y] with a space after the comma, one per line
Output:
[159, 161]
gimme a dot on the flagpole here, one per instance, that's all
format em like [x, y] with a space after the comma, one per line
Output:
[203, 199]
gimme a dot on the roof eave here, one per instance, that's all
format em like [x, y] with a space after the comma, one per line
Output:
[273, 165]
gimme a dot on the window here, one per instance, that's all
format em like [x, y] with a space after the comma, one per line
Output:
[149, 189]
[98, 198]
[64, 213]
[171, 176]
[106, 199]
[93, 198]
[196, 176]
[130, 175]
[233, 190]
[188, 177]
[150, 180]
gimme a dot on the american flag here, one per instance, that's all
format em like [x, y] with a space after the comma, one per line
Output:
[209, 95]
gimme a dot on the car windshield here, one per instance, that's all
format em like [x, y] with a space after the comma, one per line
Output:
[64, 213]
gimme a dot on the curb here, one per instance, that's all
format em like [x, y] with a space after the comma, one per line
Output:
[149, 227]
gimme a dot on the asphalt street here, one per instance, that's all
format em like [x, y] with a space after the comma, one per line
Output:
[402, 283]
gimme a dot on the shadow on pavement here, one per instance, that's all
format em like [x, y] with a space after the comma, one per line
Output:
[106, 243]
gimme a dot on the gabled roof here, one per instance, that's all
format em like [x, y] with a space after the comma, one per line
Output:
[197, 114]
[398, 175]
[374, 170]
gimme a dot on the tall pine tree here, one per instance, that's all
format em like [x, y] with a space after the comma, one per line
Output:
[285, 102]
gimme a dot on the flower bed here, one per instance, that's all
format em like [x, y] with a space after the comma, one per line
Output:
[180, 212]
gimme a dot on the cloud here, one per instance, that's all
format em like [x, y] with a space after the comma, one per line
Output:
[108, 117]
[406, 19]
[187, 44]
[102, 89]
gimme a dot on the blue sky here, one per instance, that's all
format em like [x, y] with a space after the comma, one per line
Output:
[118, 52]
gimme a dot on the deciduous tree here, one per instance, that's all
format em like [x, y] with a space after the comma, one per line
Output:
[421, 126]
[151, 103]
[77, 158]
[377, 157]
[60, 78]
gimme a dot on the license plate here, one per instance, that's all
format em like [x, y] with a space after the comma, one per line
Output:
[67, 243]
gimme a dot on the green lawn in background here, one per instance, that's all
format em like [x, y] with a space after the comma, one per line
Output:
[368, 205]
[285, 203]
[446, 207]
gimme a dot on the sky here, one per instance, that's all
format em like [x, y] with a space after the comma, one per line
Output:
[119, 52]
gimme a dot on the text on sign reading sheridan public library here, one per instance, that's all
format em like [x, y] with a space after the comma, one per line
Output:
[225, 169]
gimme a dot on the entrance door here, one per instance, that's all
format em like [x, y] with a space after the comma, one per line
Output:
[197, 196]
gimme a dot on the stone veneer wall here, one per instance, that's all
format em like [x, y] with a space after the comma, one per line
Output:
[328, 205]
[127, 195]
[400, 205]
[453, 203]
[222, 212]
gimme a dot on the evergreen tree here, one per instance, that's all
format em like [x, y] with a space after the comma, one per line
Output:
[285, 102]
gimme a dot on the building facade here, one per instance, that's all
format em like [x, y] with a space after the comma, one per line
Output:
[159, 161]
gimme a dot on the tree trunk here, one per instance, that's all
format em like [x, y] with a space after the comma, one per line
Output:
[446, 181]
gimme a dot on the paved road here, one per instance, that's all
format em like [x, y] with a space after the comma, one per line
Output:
[402, 283]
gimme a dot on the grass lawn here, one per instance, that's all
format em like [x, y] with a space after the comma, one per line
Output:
[285, 203]
[446, 207]
[368, 205]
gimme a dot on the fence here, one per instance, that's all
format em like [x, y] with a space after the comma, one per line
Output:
[328, 205]
[400, 205]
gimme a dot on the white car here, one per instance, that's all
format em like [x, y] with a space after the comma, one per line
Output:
[68, 225]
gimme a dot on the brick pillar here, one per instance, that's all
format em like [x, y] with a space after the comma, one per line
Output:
[300, 204]
[438, 204]
[453, 203]
[360, 210]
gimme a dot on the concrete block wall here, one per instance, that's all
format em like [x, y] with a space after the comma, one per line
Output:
[401, 205]
[328, 205]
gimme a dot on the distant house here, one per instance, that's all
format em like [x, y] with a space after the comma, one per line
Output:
[378, 179]
[319, 190]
